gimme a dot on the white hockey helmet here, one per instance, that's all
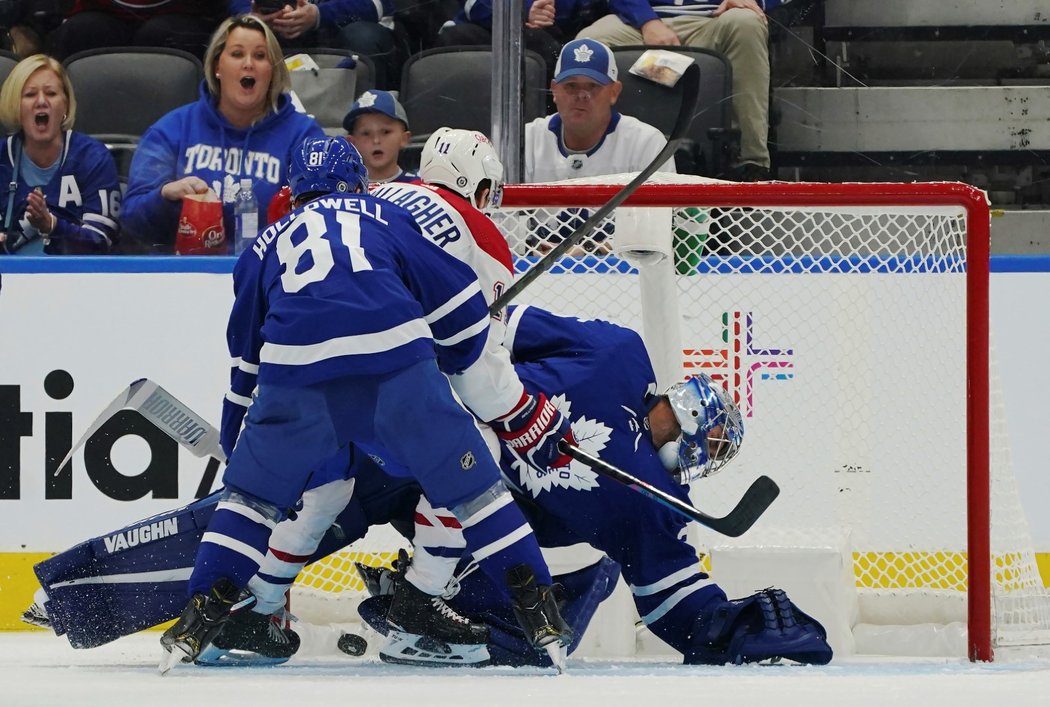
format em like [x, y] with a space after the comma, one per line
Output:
[461, 160]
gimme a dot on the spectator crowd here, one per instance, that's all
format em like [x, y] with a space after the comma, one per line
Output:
[63, 192]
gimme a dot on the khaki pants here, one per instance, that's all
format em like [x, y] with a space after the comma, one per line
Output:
[739, 34]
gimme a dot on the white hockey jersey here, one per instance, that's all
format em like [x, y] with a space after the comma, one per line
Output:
[628, 146]
[457, 227]
[453, 224]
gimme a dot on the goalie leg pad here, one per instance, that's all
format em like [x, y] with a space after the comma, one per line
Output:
[766, 626]
[124, 581]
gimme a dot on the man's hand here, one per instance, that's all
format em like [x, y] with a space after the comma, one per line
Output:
[541, 14]
[533, 430]
[657, 33]
[175, 191]
[292, 23]
[745, 4]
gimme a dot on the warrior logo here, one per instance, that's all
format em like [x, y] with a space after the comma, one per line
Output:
[591, 436]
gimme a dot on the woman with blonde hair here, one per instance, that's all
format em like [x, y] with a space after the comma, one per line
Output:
[59, 189]
[243, 127]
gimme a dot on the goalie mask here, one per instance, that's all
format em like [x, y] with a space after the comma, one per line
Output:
[712, 429]
[326, 165]
[461, 160]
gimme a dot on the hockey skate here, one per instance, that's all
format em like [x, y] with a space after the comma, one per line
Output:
[380, 581]
[424, 630]
[201, 621]
[251, 638]
[537, 613]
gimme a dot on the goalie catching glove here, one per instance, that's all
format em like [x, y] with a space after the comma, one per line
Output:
[532, 431]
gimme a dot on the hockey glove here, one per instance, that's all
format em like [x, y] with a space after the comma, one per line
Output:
[532, 431]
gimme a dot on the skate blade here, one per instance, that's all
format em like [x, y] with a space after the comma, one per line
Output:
[558, 655]
[413, 649]
[215, 657]
[170, 659]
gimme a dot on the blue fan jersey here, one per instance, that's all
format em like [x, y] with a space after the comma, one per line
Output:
[196, 139]
[346, 285]
[83, 193]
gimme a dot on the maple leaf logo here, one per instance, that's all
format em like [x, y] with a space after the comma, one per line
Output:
[591, 436]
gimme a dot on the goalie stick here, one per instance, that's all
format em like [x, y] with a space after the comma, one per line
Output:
[748, 509]
[168, 414]
[690, 94]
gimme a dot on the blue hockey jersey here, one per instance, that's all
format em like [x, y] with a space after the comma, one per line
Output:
[346, 285]
[83, 194]
[197, 140]
[600, 376]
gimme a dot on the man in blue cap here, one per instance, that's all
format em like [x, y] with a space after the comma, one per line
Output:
[587, 137]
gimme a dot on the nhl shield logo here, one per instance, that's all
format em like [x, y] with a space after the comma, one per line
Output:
[467, 461]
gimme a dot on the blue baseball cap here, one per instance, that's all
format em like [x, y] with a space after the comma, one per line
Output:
[375, 102]
[586, 57]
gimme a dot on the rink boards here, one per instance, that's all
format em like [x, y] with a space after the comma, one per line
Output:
[77, 331]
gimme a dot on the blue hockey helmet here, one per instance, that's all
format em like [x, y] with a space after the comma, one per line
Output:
[712, 428]
[326, 165]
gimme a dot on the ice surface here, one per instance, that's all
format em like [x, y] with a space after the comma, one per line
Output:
[40, 669]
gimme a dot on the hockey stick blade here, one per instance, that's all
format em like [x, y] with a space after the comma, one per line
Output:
[748, 509]
[175, 419]
[163, 410]
[690, 94]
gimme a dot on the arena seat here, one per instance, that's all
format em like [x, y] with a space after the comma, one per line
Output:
[452, 86]
[328, 91]
[710, 141]
[8, 60]
[122, 91]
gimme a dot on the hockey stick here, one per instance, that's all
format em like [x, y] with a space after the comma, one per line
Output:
[690, 94]
[748, 509]
[169, 415]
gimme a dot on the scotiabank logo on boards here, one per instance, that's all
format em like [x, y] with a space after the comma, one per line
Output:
[740, 360]
[158, 480]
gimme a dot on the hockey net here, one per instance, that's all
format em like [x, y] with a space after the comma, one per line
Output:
[850, 322]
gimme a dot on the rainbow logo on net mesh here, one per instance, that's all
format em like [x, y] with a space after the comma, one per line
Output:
[739, 362]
